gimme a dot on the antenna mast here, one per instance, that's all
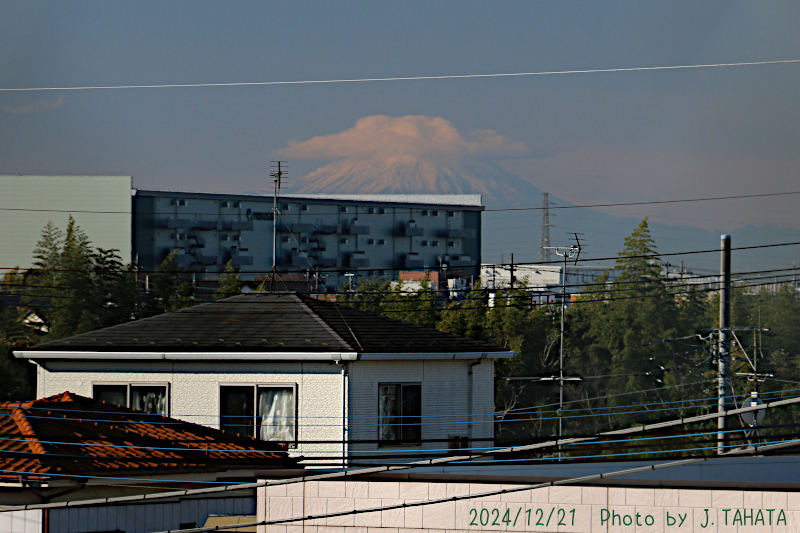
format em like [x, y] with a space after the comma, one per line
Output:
[571, 252]
[277, 177]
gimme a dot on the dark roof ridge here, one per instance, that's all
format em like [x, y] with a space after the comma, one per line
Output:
[319, 319]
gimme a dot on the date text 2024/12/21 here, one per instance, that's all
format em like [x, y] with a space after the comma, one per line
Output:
[560, 516]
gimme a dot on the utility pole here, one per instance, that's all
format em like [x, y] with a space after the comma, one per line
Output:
[512, 271]
[574, 251]
[724, 351]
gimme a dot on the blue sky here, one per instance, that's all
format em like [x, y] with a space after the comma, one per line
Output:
[589, 137]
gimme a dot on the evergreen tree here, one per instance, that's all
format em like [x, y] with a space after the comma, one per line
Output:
[620, 336]
[230, 283]
[173, 286]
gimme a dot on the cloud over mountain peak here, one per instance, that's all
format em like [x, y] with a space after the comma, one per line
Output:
[407, 137]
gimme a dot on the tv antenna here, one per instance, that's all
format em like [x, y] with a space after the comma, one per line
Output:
[277, 175]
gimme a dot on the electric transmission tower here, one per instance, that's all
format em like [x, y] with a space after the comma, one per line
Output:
[545, 255]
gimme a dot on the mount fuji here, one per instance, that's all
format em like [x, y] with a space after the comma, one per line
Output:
[411, 175]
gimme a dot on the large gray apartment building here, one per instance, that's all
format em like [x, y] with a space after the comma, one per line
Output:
[326, 236]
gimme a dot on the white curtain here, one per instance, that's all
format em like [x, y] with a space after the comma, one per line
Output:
[388, 408]
[149, 399]
[276, 414]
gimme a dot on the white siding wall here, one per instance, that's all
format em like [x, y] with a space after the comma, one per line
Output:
[194, 394]
[445, 399]
[194, 389]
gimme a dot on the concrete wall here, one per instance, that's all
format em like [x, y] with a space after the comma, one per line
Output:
[101, 206]
[569, 509]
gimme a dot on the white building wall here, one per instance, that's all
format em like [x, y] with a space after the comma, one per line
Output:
[194, 390]
[21, 521]
[194, 395]
[445, 400]
[100, 205]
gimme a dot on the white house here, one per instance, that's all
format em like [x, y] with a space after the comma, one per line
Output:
[331, 381]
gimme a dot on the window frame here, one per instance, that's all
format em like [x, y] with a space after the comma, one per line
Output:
[129, 384]
[256, 387]
[401, 440]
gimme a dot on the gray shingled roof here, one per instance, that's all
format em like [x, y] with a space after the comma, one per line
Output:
[269, 322]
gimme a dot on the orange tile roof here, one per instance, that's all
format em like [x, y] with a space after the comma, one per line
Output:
[68, 434]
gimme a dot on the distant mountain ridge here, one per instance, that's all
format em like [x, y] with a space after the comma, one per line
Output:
[603, 234]
[410, 175]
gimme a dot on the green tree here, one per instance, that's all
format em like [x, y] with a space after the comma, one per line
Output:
[625, 335]
[394, 300]
[74, 288]
[18, 376]
[173, 286]
[230, 283]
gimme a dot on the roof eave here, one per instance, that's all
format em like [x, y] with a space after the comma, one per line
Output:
[186, 356]
[390, 356]
[259, 356]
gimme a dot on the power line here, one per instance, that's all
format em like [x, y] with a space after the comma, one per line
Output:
[740, 451]
[551, 206]
[421, 463]
[400, 78]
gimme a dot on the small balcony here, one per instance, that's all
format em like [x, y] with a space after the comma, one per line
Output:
[175, 223]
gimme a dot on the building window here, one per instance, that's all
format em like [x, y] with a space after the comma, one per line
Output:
[370, 241]
[424, 243]
[451, 213]
[381, 211]
[237, 204]
[381, 242]
[286, 239]
[181, 236]
[142, 397]
[179, 201]
[343, 240]
[266, 412]
[225, 204]
[304, 207]
[434, 213]
[434, 243]
[236, 237]
[400, 412]
[224, 237]
[424, 212]
[343, 209]
[371, 210]
[451, 244]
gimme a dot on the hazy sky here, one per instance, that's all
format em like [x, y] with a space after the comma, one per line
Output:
[585, 138]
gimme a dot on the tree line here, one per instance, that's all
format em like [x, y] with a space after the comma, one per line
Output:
[74, 288]
[641, 343]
